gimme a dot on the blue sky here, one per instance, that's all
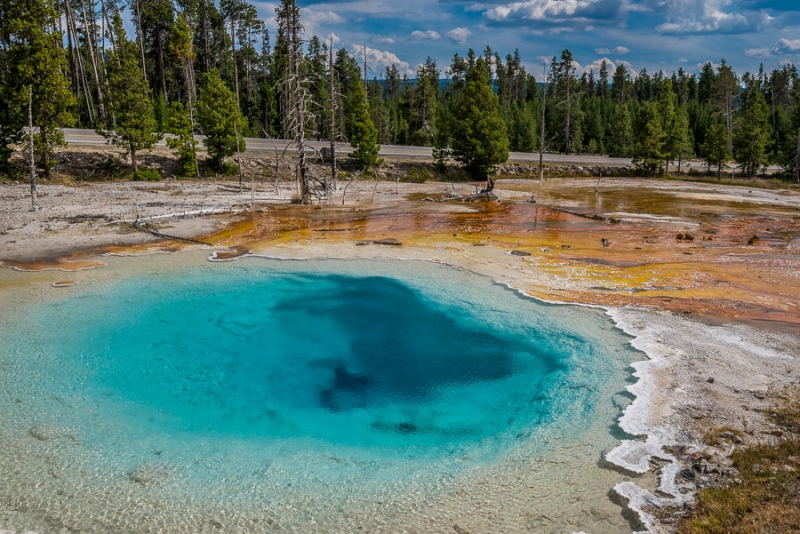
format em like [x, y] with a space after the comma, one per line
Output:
[652, 34]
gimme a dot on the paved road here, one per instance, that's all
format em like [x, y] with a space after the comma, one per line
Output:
[89, 137]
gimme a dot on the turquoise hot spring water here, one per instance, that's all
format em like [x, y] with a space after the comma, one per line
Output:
[319, 396]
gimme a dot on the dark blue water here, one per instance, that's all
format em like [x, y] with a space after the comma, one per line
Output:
[356, 360]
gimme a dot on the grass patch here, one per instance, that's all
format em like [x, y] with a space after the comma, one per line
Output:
[147, 175]
[765, 496]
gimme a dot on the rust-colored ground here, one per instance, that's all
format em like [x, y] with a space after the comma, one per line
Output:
[694, 248]
[737, 258]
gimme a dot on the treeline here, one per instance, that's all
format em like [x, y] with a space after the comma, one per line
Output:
[196, 66]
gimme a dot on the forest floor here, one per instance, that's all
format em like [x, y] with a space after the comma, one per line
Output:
[704, 277]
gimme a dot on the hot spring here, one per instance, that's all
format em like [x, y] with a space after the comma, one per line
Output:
[319, 396]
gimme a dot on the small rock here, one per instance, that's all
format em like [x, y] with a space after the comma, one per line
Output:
[605, 242]
[688, 474]
[694, 456]
[756, 468]
[727, 434]
[519, 253]
[737, 439]
[759, 394]
[710, 380]
[690, 505]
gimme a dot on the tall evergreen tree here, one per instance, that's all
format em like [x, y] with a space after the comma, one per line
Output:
[715, 149]
[478, 136]
[183, 144]
[36, 59]
[363, 135]
[752, 132]
[131, 123]
[648, 155]
[220, 119]
[620, 134]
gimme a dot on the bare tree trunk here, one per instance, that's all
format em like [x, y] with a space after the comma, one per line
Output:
[89, 40]
[108, 25]
[34, 202]
[238, 155]
[569, 112]
[541, 134]
[141, 39]
[71, 51]
[235, 63]
[161, 69]
[81, 71]
[133, 159]
[333, 122]
[299, 111]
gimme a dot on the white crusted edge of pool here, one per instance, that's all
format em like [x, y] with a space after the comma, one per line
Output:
[635, 456]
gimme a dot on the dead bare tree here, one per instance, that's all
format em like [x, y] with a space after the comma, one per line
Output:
[34, 203]
[334, 178]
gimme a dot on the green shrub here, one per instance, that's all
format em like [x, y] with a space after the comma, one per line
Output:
[147, 175]
[416, 176]
[230, 169]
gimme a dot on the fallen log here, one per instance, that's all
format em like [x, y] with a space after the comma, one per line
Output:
[138, 226]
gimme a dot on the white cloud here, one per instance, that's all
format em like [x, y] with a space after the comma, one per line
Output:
[313, 19]
[708, 16]
[428, 35]
[758, 52]
[619, 50]
[786, 46]
[383, 40]
[558, 15]
[699, 66]
[459, 35]
[683, 60]
[782, 47]
[333, 38]
[378, 60]
[596, 64]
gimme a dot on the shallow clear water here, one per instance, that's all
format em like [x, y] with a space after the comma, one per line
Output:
[270, 396]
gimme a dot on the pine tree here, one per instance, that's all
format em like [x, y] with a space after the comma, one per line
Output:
[36, 59]
[751, 132]
[11, 121]
[620, 133]
[363, 135]
[478, 136]
[183, 144]
[666, 109]
[715, 149]
[681, 142]
[648, 149]
[132, 124]
[217, 114]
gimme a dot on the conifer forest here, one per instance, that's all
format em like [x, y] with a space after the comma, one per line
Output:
[214, 69]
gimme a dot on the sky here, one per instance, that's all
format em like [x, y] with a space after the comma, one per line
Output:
[653, 34]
